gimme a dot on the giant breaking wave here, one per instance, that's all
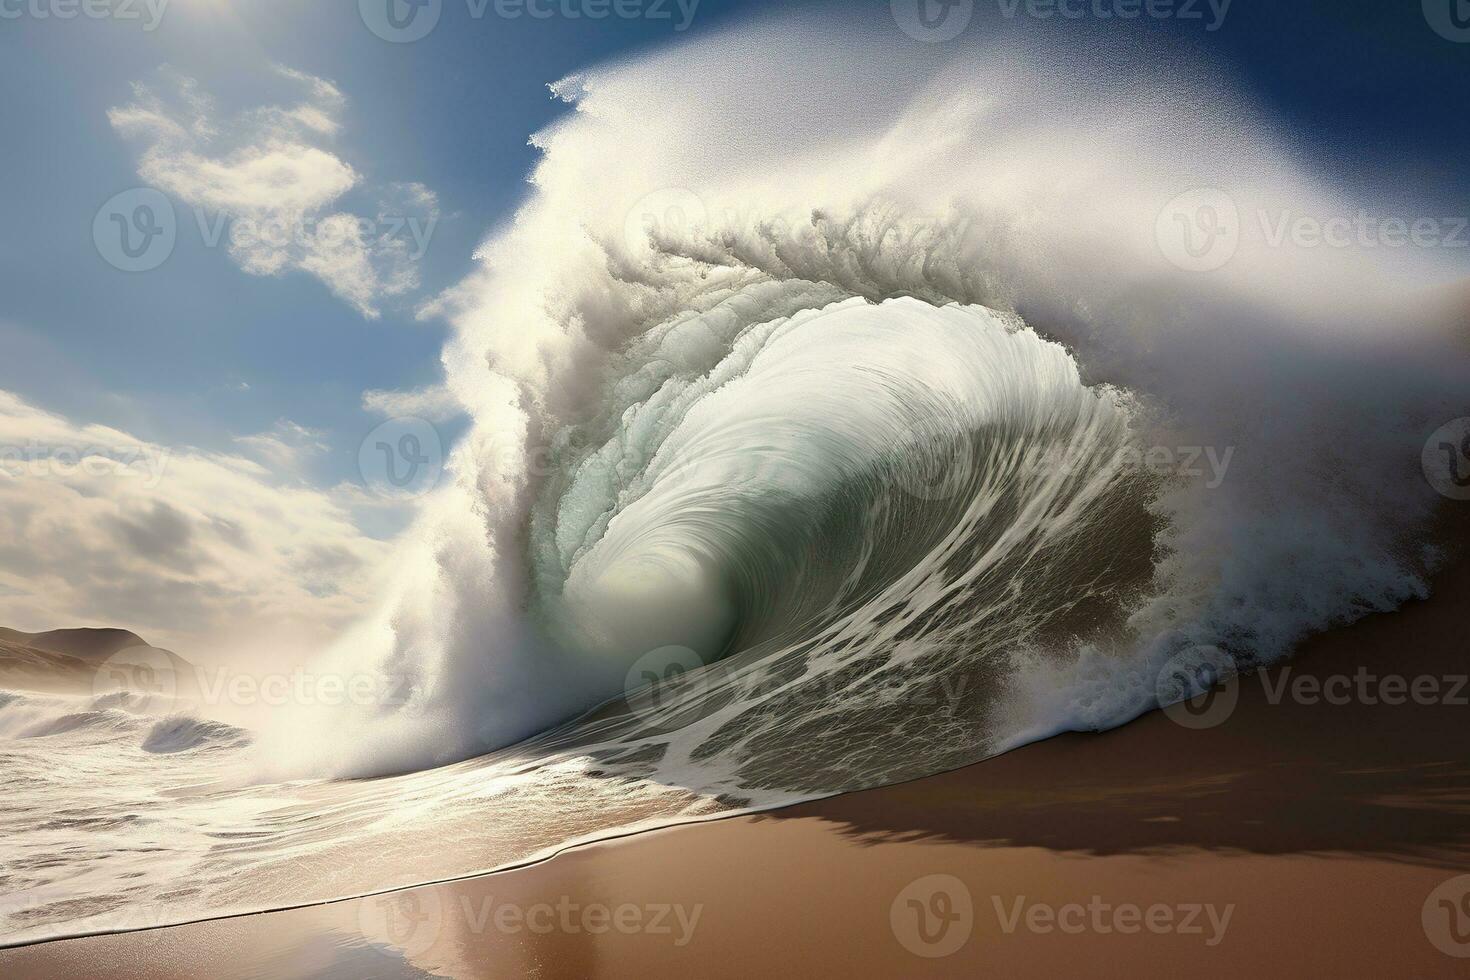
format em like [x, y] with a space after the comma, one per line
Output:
[809, 388]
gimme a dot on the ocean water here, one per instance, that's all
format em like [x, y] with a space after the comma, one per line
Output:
[842, 412]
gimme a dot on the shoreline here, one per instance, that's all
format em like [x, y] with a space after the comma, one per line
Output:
[1296, 834]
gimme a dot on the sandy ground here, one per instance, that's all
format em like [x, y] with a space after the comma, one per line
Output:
[1279, 829]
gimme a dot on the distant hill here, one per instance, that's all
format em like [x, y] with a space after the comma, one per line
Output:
[69, 661]
[87, 644]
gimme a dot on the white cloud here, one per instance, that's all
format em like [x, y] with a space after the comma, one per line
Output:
[286, 446]
[273, 173]
[205, 552]
[434, 403]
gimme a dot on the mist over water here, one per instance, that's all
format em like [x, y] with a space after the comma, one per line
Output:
[667, 433]
[819, 369]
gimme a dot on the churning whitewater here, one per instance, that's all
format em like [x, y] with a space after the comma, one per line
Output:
[837, 418]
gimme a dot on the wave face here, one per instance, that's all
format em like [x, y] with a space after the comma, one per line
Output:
[818, 392]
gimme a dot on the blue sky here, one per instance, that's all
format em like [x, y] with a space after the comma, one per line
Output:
[166, 351]
[270, 369]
